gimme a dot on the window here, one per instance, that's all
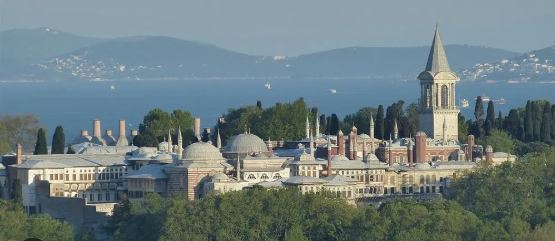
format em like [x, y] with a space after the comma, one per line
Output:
[277, 176]
[251, 176]
[264, 177]
[444, 96]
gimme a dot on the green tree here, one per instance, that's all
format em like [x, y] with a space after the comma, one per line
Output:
[463, 128]
[295, 234]
[41, 146]
[16, 192]
[380, 123]
[537, 115]
[546, 123]
[513, 124]
[499, 140]
[528, 122]
[361, 119]
[334, 124]
[58, 141]
[489, 125]
[478, 126]
[553, 122]
[18, 129]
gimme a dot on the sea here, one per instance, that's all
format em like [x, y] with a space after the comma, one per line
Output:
[74, 105]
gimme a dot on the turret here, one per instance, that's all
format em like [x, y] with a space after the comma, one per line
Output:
[420, 146]
[395, 130]
[371, 131]
[340, 143]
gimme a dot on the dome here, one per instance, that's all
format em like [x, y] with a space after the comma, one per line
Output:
[245, 143]
[364, 136]
[220, 177]
[339, 158]
[144, 152]
[164, 158]
[202, 151]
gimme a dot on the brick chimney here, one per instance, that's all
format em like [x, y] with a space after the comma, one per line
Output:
[19, 154]
[96, 128]
[420, 147]
[340, 143]
[469, 147]
[329, 158]
[84, 133]
[409, 152]
[197, 127]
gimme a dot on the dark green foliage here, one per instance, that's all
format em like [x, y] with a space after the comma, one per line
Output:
[489, 124]
[205, 136]
[380, 123]
[361, 119]
[145, 138]
[16, 225]
[553, 122]
[545, 134]
[259, 104]
[157, 122]
[528, 123]
[463, 128]
[477, 128]
[334, 124]
[323, 124]
[537, 114]
[16, 192]
[58, 141]
[281, 121]
[500, 140]
[41, 147]
[394, 112]
[513, 125]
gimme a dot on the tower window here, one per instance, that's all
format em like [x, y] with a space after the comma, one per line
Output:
[444, 96]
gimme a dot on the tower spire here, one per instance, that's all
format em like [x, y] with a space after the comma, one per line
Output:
[170, 142]
[317, 127]
[218, 140]
[307, 128]
[179, 144]
[395, 130]
[437, 59]
[371, 131]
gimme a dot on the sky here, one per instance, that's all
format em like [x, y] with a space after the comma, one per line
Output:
[294, 27]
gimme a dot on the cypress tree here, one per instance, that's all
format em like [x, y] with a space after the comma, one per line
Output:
[528, 123]
[479, 115]
[537, 116]
[41, 146]
[545, 134]
[17, 194]
[334, 124]
[323, 124]
[58, 141]
[490, 119]
[553, 122]
[499, 121]
[379, 128]
[513, 124]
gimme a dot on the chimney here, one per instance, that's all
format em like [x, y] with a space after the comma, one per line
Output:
[340, 143]
[96, 128]
[19, 153]
[409, 152]
[390, 154]
[84, 133]
[197, 127]
[489, 155]
[122, 139]
[329, 158]
[420, 146]
[469, 147]
[364, 152]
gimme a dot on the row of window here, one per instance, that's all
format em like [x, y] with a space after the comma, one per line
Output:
[410, 190]
[85, 176]
[264, 176]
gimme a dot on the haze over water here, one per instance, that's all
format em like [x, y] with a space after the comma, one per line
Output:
[75, 104]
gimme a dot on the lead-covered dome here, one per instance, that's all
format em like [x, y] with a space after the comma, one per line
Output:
[245, 143]
[202, 151]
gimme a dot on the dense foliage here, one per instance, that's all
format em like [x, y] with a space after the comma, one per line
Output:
[157, 123]
[281, 121]
[18, 129]
[41, 147]
[15, 225]
[58, 141]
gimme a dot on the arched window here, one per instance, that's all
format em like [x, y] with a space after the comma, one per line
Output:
[264, 177]
[427, 179]
[277, 176]
[392, 180]
[444, 96]
[251, 176]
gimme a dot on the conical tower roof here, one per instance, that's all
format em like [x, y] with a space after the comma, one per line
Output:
[437, 59]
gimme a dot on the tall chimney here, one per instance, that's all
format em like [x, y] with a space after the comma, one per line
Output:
[19, 153]
[390, 154]
[364, 152]
[329, 158]
[84, 133]
[409, 152]
[420, 146]
[469, 147]
[122, 139]
[340, 143]
[489, 154]
[197, 127]
[96, 128]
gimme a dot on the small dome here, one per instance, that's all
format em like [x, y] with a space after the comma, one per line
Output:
[245, 143]
[202, 151]
[164, 158]
[220, 177]
[364, 136]
[144, 152]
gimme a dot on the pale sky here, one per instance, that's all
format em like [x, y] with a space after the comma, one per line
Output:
[292, 27]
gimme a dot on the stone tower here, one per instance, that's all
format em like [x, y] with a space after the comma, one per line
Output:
[437, 97]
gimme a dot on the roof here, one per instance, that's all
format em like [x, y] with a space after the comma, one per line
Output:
[152, 171]
[70, 160]
[356, 164]
[304, 180]
[339, 180]
[202, 151]
[437, 59]
[245, 143]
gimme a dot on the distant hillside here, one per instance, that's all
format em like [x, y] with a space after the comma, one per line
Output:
[46, 54]
[399, 62]
[535, 66]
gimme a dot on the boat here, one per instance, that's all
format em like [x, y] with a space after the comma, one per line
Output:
[464, 103]
[268, 86]
[112, 87]
[333, 91]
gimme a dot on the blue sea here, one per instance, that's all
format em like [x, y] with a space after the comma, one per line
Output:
[75, 104]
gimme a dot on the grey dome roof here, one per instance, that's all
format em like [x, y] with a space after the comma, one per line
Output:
[245, 143]
[202, 151]
[164, 157]
[339, 158]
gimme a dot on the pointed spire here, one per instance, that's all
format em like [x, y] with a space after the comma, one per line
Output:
[218, 140]
[312, 146]
[371, 131]
[170, 142]
[307, 128]
[437, 59]
[179, 144]
[395, 130]
[317, 127]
